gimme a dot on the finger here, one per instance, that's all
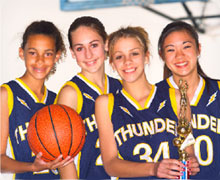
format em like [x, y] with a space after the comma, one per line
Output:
[69, 161]
[39, 155]
[58, 163]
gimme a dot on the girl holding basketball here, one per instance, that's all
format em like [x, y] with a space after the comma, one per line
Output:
[42, 47]
[136, 129]
[87, 38]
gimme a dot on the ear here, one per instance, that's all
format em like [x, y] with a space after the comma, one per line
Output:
[147, 55]
[72, 53]
[58, 54]
[21, 53]
[160, 54]
[199, 49]
[106, 45]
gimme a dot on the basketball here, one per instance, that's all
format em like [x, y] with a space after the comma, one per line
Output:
[54, 130]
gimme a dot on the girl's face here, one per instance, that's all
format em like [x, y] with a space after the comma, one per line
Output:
[129, 59]
[88, 49]
[39, 55]
[180, 53]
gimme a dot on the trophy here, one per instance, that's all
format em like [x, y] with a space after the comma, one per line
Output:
[183, 129]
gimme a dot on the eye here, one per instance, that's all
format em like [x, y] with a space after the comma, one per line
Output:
[170, 50]
[79, 49]
[94, 45]
[118, 57]
[48, 54]
[135, 53]
[187, 46]
[32, 53]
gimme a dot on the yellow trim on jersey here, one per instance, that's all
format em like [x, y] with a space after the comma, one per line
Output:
[218, 84]
[146, 104]
[169, 83]
[132, 100]
[200, 93]
[94, 85]
[78, 92]
[106, 85]
[110, 104]
[173, 100]
[32, 93]
[10, 98]
[78, 164]
[136, 103]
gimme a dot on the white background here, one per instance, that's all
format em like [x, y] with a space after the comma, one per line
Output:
[16, 15]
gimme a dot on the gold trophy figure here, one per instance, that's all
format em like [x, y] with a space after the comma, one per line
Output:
[183, 129]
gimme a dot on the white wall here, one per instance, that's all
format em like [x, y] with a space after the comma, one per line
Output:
[17, 14]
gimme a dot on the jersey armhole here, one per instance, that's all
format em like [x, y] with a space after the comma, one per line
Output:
[79, 96]
[219, 85]
[110, 104]
[10, 98]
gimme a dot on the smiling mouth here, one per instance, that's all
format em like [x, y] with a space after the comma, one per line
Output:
[181, 64]
[130, 70]
[39, 70]
[90, 63]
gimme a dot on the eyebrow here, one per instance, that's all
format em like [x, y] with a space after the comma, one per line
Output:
[45, 50]
[79, 44]
[184, 42]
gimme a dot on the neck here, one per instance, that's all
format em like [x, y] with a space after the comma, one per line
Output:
[97, 78]
[139, 90]
[37, 86]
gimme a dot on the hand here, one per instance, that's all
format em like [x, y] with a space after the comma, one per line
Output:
[39, 164]
[193, 165]
[169, 168]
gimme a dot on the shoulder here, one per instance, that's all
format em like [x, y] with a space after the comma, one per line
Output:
[103, 99]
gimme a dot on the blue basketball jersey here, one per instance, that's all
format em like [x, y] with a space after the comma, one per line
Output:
[205, 108]
[89, 162]
[143, 134]
[23, 103]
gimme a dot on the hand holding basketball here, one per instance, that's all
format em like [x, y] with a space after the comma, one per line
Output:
[55, 130]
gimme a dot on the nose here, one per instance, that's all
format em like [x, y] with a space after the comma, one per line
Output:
[88, 53]
[179, 54]
[40, 59]
[127, 60]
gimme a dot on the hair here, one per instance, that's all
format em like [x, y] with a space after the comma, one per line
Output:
[174, 27]
[48, 29]
[134, 32]
[87, 21]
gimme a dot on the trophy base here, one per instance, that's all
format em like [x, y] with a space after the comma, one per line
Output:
[185, 175]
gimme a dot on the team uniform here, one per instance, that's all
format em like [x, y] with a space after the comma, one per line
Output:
[143, 134]
[89, 163]
[205, 108]
[22, 104]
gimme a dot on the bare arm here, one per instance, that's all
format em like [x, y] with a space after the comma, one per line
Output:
[68, 96]
[123, 168]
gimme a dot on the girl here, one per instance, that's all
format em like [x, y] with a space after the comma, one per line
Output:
[135, 130]
[41, 49]
[180, 49]
[87, 39]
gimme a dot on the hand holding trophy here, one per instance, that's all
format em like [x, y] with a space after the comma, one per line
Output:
[184, 129]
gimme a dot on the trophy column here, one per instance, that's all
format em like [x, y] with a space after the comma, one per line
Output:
[183, 129]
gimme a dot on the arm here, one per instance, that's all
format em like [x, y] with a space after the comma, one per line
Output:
[68, 96]
[10, 165]
[123, 168]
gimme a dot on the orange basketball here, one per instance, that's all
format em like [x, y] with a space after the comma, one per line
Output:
[54, 130]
